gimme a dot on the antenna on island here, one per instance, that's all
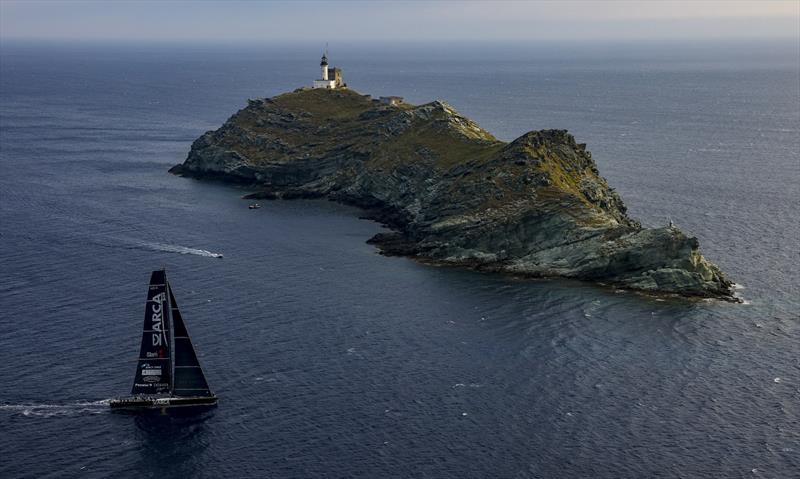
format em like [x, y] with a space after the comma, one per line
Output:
[326, 49]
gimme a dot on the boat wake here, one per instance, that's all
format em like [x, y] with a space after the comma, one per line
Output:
[50, 410]
[169, 248]
[129, 243]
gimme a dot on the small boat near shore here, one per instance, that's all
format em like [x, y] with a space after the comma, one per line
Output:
[254, 206]
[168, 373]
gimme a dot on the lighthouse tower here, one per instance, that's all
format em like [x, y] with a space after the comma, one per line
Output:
[330, 78]
[324, 65]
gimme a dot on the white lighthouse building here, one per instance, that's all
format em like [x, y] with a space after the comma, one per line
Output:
[331, 77]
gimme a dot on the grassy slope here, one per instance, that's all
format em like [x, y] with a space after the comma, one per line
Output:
[326, 105]
[327, 119]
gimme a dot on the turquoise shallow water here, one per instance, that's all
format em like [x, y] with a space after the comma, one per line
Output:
[333, 361]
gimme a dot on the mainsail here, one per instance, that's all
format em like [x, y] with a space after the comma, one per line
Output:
[189, 379]
[154, 368]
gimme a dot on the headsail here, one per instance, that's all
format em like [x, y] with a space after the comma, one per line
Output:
[189, 377]
[154, 368]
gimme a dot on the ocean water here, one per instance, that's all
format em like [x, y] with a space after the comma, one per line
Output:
[333, 361]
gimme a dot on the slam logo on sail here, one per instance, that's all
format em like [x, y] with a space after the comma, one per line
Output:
[158, 319]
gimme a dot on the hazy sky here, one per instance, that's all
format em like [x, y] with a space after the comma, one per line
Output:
[393, 21]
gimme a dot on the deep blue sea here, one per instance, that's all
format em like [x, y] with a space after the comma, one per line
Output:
[333, 361]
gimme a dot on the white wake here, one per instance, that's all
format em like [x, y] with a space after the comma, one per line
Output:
[50, 410]
[171, 248]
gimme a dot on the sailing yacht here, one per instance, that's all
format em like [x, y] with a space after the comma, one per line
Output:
[168, 373]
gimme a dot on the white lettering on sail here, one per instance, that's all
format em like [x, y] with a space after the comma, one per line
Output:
[157, 319]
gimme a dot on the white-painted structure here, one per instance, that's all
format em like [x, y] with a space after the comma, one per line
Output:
[391, 100]
[330, 78]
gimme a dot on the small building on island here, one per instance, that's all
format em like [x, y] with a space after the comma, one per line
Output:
[331, 77]
[391, 100]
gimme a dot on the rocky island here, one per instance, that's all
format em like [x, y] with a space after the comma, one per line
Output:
[450, 191]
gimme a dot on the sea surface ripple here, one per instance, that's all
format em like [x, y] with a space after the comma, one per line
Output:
[333, 361]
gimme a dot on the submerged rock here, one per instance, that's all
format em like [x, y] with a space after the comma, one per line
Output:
[452, 192]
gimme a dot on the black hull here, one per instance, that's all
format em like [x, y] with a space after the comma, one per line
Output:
[147, 403]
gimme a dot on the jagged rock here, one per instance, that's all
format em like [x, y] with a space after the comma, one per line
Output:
[452, 192]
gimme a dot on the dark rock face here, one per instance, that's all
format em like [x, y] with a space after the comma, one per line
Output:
[451, 192]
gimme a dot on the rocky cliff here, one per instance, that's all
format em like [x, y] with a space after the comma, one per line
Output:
[450, 191]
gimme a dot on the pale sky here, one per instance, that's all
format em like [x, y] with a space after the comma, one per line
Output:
[315, 21]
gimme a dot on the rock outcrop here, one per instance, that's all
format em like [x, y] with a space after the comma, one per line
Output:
[451, 192]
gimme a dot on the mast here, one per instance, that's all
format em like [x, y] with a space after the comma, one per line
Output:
[168, 318]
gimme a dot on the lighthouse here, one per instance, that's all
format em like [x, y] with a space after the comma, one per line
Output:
[324, 65]
[330, 78]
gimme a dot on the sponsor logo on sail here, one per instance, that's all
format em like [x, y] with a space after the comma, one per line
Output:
[151, 374]
[157, 318]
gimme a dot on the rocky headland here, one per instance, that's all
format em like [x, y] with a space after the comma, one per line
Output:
[451, 192]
